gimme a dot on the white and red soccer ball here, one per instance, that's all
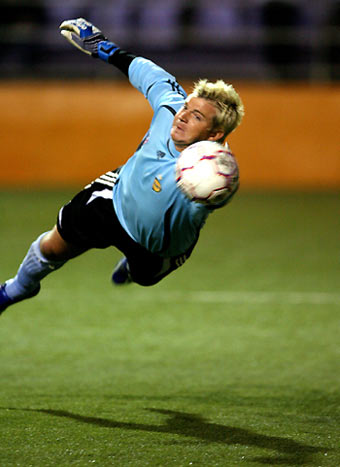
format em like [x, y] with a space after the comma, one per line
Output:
[207, 172]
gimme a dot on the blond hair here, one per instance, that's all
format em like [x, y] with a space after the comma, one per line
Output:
[230, 109]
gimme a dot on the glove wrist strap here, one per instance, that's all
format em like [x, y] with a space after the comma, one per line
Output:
[106, 49]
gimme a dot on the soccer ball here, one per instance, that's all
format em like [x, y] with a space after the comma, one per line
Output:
[207, 172]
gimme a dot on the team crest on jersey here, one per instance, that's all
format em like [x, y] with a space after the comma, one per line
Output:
[156, 186]
[160, 154]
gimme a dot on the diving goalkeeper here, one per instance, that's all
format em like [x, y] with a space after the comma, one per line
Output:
[154, 225]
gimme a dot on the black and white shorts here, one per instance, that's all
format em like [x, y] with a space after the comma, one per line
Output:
[90, 221]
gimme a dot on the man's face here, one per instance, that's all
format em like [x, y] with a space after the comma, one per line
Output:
[193, 122]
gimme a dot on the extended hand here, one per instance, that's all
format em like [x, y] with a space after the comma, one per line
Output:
[88, 38]
[83, 35]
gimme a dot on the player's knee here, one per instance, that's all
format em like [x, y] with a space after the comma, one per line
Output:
[146, 281]
[46, 246]
[55, 248]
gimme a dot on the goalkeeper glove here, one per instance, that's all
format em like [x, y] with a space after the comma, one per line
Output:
[88, 38]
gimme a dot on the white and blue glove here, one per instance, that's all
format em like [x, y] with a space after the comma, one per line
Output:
[88, 38]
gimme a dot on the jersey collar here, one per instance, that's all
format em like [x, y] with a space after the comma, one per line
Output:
[172, 150]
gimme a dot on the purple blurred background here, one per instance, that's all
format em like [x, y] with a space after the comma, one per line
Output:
[244, 39]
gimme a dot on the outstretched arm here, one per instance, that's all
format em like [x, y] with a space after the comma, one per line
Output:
[90, 40]
[157, 85]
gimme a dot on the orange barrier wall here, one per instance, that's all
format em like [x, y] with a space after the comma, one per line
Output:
[60, 133]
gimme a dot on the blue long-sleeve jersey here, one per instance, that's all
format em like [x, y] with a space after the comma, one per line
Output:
[147, 201]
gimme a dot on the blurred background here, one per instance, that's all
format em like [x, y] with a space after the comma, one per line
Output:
[243, 39]
[61, 106]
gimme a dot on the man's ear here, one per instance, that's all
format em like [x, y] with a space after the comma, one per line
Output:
[216, 135]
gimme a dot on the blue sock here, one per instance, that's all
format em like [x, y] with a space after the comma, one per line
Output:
[33, 268]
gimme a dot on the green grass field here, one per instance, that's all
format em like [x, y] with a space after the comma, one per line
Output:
[234, 360]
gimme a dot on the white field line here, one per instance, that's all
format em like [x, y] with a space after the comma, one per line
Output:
[291, 298]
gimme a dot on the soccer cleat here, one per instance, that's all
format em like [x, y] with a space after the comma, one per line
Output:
[121, 274]
[6, 301]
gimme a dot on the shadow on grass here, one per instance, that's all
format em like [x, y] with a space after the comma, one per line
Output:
[289, 452]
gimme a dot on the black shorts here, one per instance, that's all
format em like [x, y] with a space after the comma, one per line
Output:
[90, 221]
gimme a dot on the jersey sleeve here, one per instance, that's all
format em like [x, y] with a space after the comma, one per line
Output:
[157, 85]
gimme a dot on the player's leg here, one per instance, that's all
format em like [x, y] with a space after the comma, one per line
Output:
[145, 268]
[155, 269]
[54, 248]
[46, 254]
[83, 223]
